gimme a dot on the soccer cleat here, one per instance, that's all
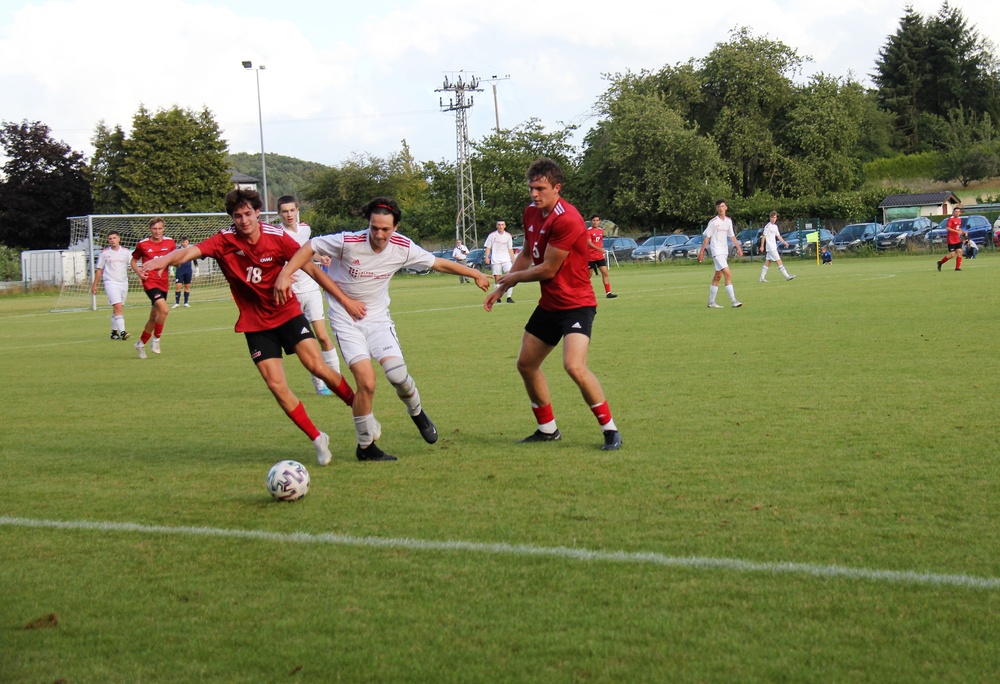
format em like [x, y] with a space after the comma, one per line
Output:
[737, 305]
[426, 427]
[539, 436]
[322, 444]
[187, 305]
[939, 265]
[372, 453]
[957, 270]
[124, 335]
[321, 388]
[141, 348]
[791, 277]
[114, 335]
[155, 348]
[612, 440]
[175, 305]
[713, 305]
[611, 295]
[510, 300]
[764, 281]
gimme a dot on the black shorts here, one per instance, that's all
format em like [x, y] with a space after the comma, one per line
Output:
[552, 326]
[184, 278]
[156, 293]
[954, 246]
[267, 344]
[597, 264]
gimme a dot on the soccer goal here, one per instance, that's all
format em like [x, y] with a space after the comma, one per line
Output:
[88, 236]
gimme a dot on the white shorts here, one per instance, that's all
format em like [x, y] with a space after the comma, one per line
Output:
[501, 267]
[117, 291]
[312, 304]
[771, 254]
[721, 262]
[367, 339]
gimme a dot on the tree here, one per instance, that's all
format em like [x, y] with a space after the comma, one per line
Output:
[175, 161]
[900, 76]
[44, 182]
[971, 149]
[106, 169]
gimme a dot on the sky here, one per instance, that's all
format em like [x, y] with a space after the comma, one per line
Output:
[351, 78]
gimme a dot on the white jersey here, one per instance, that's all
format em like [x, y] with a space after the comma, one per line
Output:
[717, 233]
[771, 234]
[302, 283]
[501, 247]
[116, 264]
[364, 275]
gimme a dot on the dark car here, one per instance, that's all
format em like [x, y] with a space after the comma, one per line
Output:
[901, 232]
[619, 248]
[477, 259]
[978, 227]
[796, 249]
[749, 240]
[856, 236]
[689, 250]
[657, 248]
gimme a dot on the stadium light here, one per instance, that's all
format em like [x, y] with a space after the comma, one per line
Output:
[247, 64]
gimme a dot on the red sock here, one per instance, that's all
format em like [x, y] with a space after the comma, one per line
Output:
[543, 414]
[144, 337]
[607, 288]
[603, 413]
[344, 391]
[958, 261]
[301, 418]
[157, 329]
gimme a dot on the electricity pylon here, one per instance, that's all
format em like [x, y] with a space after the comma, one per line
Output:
[465, 219]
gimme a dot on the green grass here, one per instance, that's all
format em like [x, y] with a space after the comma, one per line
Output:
[845, 421]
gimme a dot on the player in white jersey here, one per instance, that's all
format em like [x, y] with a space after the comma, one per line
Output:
[500, 254]
[112, 268]
[362, 264]
[309, 294]
[769, 244]
[718, 234]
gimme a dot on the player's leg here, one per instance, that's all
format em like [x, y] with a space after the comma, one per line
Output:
[505, 268]
[357, 355]
[162, 311]
[383, 340]
[784, 271]
[312, 360]
[763, 270]
[177, 294]
[187, 290]
[575, 349]
[539, 339]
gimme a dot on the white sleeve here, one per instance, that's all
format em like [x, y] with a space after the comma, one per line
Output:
[329, 245]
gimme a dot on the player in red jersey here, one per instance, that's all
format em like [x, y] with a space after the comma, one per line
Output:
[155, 283]
[555, 254]
[598, 261]
[955, 235]
[251, 254]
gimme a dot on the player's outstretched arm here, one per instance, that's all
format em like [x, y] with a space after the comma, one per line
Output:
[283, 284]
[446, 266]
[175, 258]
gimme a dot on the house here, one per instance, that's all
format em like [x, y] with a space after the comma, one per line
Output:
[241, 181]
[922, 204]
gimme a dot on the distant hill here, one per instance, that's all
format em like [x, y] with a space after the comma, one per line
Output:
[285, 175]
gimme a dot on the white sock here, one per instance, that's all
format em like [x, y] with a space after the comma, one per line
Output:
[364, 426]
[331, 359]
[783, 270]
[731, 293]
[712, 291]
[763, 271]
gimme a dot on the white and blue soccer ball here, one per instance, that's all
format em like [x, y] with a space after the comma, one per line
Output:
[288, 481]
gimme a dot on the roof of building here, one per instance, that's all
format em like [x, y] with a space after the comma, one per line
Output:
[237, 177]
[920, 199]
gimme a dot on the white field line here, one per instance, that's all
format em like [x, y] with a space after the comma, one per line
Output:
[556, 552]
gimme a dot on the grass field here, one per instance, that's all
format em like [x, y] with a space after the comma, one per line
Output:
[807, 492]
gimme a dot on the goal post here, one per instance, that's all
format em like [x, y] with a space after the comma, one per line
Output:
[89, 235]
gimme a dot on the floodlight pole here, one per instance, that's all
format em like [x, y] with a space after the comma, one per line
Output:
[260, 119]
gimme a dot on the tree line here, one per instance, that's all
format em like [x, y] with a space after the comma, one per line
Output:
[741, 123]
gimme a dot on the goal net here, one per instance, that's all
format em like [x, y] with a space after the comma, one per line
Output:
[88, 236]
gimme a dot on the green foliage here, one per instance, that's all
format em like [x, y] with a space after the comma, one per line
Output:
[853, 205]
[285, 175]
[10, 263]
[971, 149]
[106, 169]
[44, 183]
[174, 161]
[903, 167]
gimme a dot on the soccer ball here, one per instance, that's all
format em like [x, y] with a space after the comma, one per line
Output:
[288, 481]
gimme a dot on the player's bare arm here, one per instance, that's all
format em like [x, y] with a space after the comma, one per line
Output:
[283, 285]
[356, 309]
[739, 248]
[446, 266]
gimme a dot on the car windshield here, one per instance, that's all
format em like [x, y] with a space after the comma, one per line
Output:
[856, 230]
[898, 226]
[696, 240]
[746, 235]
[655, 240]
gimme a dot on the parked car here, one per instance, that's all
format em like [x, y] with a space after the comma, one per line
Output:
[657, 248]
[477, 259]
[901, 232]
[856, 235]
[689, 250]
[795, 249]
[440, 253]
[749, 240]
[978, 227]
[620, 247]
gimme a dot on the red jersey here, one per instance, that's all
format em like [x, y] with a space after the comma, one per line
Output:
[251, 271]
[564, 229]
[146, 250]
[596, 235]
[954, 227]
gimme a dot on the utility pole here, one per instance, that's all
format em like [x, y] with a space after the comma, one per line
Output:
[465, 220]
[496, 110]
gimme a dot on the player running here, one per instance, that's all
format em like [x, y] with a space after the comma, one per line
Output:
[555, 255]
[362, 264]
[112, 269]
[156, 283]
[251, 255]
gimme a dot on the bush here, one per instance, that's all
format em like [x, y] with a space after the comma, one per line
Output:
[10, 263]
[903, 167]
